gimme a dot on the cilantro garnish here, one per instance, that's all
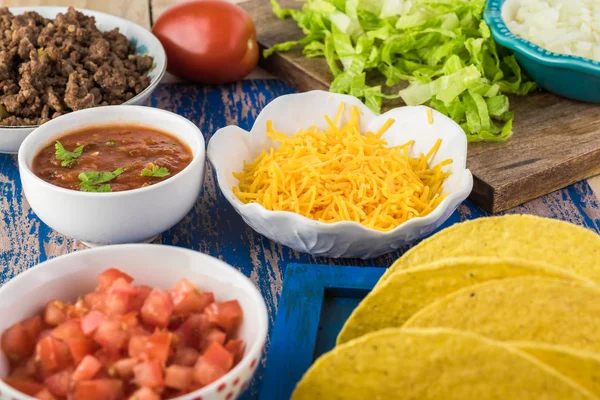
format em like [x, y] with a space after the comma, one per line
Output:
[155, 170]
[91, 181]
[97, 188]
[66, 157]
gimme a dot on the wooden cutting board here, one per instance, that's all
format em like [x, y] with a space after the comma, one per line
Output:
[556, 141]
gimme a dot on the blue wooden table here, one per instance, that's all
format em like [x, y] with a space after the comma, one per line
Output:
[213, 226]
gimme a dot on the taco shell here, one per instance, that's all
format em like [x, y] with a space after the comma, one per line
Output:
[406, 292]
[581, 367]
[432, 364]
[546, 310]
[527, 237]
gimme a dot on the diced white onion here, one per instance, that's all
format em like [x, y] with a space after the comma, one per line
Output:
[561, 26]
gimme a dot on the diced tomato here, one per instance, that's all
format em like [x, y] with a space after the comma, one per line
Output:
[218, 355]
[124, 367]
[130, 319]
[228, 314]
[214, 335]
[186, 356]
[116, 303]
[172, 393]
[236, 347]
[179, 393]
[158, 346]
[182, 287]
[193, 330]
[55, 313]
[80, 347]
[59, 383]
[191, 302]
[99, 389]
[139, 330]
[188, 299]
[108, 277]
[137, 346]
[206, 373]
[53, 354]
[91, 321]
[70, 329]
[44, 333]
[176, 322]
[77, 310]
[33, 326]
[157, 309]
[213, 364]
[207, 299]
[87, 368]
[16, 343]
[120, 285]
[30, 366]
[123, 340]
[45, 394]
[94, 300]
[178, 377]
[26, 386]
[107, 358]
[144, 394]
[149, 374]
[138, 300]
[23, 371]
[111, 336]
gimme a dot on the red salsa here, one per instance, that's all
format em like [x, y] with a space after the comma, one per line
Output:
[111, 159]
[124, 341]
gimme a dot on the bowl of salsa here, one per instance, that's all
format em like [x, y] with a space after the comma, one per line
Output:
[130, 321]
[116, 174]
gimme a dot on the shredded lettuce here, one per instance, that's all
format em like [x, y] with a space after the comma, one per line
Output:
[443, 48]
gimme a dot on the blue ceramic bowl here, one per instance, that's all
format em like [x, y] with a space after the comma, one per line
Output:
[574, 77]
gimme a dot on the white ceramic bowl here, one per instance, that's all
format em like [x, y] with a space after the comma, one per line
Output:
[130, 216]
[66, 277]
[11, 137]
[231, 146]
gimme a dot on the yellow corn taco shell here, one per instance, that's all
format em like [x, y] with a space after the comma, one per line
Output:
[551, 311]
[432, 364]
[581, 367]
[406, 292]
[527, 237]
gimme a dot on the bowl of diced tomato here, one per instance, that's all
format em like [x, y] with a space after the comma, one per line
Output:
[137, 321]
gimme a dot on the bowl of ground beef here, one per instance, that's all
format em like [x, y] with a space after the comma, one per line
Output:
[55, 60]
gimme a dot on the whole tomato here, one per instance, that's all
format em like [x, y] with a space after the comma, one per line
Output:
[208, 41]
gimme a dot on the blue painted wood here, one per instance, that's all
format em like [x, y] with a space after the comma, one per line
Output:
[315, 302]
[212, 226]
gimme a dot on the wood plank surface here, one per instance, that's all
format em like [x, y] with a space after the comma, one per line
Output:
[595, 185]
[556, 141]
[212, 226]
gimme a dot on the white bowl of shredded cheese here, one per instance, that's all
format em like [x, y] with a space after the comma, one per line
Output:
[354, 230]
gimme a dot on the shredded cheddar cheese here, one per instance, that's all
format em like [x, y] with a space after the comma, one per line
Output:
[342, 175]
[429, 116]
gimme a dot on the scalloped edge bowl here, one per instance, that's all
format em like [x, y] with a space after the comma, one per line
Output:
[11, 137]
[231, 146]
[569, 76]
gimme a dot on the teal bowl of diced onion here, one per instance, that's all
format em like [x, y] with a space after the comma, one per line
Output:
[566, 75]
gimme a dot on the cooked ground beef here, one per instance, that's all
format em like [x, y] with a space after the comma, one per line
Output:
[49, 67]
